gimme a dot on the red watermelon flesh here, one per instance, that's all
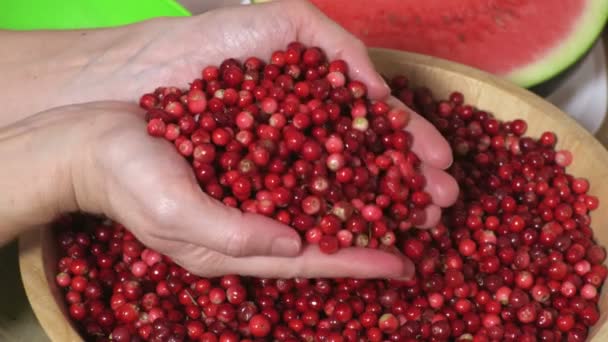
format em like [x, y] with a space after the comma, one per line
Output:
[499, 36]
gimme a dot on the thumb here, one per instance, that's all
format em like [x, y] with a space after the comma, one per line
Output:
[207, 222]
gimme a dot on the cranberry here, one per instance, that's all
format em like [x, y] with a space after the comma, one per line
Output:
[127, 313]
[329, 244]
[467, 247]
[77, 311]
[565, 322]
[388, 323]
[259, 326]
[296, 139]
[596, 255]
[527, 313]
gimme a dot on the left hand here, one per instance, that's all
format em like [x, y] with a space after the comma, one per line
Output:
[98, 158]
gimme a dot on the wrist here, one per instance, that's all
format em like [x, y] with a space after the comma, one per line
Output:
[104, 65]
[35, 179]
[47, 69]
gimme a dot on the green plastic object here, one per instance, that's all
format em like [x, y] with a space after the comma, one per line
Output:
[82, 14]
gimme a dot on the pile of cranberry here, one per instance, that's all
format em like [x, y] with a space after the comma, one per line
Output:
[297, 140]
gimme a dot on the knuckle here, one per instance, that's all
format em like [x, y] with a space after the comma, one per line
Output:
[297, 7]
[236, 244]
[166, 211]
[358, 44]
[239, 240]
[302, 4]
[292, 270]
[282, 270]
[203, 263]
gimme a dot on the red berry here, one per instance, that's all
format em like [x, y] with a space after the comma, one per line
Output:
[295, 139]
[78, 311]
[371, 212]
[329, 244]
[259, 326]
[312, 57]
[398, 118]
[565, 322]
[197, 101]
[388, 323]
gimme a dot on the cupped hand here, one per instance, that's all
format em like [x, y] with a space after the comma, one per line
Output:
[175, 50]
[141, 182]
[116, 169]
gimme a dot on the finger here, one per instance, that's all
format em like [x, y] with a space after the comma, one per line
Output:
[296, 20]
[428, 143]
[440, 185]
[431, 216]
[312, 263]
[230, 231]
[177, 209]
[315, 29]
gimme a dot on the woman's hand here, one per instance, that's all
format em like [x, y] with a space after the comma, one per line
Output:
[107, 164]
[123, 63]
[98, 158]
[176, 50]
[46, 69]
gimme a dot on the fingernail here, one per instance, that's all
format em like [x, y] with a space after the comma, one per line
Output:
[406, 277]
[409, 270]
[284, 246]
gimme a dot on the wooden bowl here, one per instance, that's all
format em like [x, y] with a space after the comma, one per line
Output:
[37, 258]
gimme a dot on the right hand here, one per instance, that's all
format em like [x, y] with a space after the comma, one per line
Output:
[173, 51]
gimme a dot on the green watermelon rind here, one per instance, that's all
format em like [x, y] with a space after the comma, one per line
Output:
[563, 56]
[574, 46]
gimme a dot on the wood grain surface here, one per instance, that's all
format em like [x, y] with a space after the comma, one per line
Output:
[602, 132]
[18, 323]
[17, 320]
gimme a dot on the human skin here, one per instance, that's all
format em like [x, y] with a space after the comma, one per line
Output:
[72, 138]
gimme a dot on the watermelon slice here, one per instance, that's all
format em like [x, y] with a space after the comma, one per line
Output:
[526, 41]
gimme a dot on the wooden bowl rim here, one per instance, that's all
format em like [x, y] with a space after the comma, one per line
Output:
[31, 260]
